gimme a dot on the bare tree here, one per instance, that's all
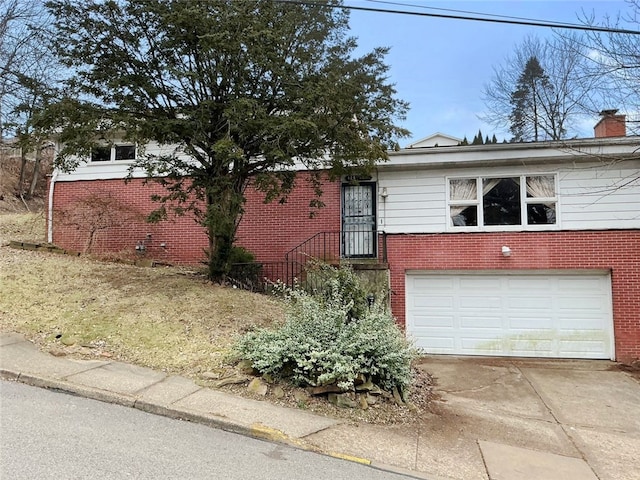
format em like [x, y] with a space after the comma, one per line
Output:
[559, 105]
[27, 75]
[95, 214]
[614, 60]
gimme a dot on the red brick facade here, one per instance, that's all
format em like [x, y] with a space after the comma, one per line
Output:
[270, 230]
[115, 212]
[616, 251]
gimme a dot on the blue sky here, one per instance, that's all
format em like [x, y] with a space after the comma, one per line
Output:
[440, 66]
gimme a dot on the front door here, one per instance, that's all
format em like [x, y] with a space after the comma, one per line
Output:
[359, 221]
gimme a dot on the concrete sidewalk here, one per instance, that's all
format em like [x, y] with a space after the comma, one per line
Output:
[508, 423]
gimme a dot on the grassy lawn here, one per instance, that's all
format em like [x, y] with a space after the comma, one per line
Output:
[170, 319]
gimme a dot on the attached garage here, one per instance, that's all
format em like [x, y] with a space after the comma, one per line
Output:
[517, 313]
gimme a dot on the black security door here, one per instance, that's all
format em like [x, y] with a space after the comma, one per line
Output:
[359, 220]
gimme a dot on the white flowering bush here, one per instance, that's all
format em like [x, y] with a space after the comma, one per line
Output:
[322, 343]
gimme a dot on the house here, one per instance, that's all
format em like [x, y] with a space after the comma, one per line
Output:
[529, 249]
[436, 140]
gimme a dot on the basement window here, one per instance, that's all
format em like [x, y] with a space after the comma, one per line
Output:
[525, 200]
[117, 152]
[101, 154]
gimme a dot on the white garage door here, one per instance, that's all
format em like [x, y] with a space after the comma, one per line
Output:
[523, 314]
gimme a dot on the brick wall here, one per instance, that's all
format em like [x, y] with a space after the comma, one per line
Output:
[115, 211]
[271, 230]
[617, 251]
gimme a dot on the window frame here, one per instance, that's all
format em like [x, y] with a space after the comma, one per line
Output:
[112, 154]
[478, 202]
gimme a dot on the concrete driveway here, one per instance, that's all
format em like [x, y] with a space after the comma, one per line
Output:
[511, 419]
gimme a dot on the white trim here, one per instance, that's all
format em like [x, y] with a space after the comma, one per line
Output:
[52, 183]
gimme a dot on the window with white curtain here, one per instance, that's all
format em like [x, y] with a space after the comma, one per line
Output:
[495, 201]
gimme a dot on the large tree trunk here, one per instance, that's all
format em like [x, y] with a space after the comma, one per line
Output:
[224, 209]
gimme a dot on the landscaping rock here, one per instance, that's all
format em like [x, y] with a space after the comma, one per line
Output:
[233, 380]
[301, 396]
[324, 389]
[258, 386]
[278, 392]
[342, 400]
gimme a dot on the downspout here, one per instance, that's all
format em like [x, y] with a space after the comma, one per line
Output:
[52, 183]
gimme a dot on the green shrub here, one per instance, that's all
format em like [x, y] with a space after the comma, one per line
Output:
[322, 343]
[326, 283]
[241, 255]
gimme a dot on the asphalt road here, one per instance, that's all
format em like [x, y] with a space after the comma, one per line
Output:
[52, 435]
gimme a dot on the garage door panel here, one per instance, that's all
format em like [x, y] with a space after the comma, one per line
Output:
[581, 284]
[433, 301]
[433, 322]
[582, 303]
[481, 343]
[483, 322]
[480, 283]
[528, 284]
[475, 302]
[582, 324]
[433, 284]
[436, 344]
[524, 322]
[582, 345]
[521, 302]
[531, 347]
[518, 314]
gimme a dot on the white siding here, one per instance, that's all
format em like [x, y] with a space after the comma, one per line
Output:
[593, 196]
[415, 200]
[111, 170]
[600, 198]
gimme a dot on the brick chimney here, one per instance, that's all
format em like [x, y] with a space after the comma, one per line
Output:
[611, 125]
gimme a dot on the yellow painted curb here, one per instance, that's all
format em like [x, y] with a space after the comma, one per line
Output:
[262, 431]
[259, 430]
[350, 458]
[273, 434]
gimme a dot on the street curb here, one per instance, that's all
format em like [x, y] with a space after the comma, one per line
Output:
[67, 387]
[256, 430]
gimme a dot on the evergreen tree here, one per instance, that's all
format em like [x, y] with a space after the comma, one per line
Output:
[527, 102]
[243, 89]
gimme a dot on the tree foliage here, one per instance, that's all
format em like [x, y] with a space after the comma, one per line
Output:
[478, 139]
[560, 97]
[528, 100]
[243, 89]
